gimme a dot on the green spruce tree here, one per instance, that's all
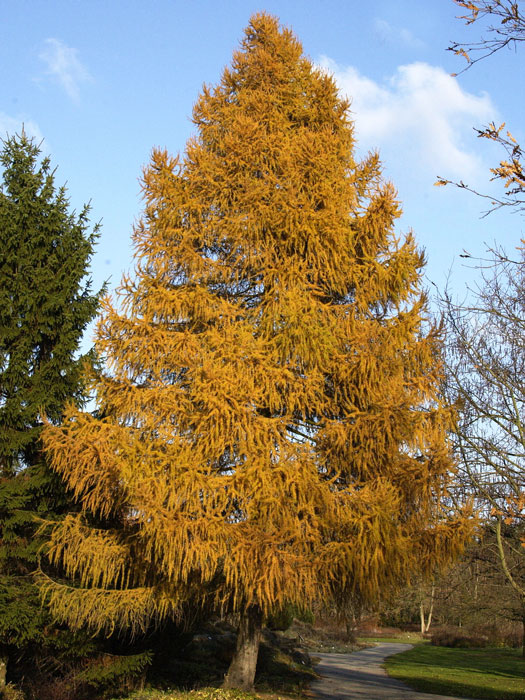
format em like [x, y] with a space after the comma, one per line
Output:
[46, 303]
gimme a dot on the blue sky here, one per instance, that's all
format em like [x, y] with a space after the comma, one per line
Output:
[104, 81]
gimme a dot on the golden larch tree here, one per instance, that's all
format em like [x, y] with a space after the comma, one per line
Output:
[269, 427]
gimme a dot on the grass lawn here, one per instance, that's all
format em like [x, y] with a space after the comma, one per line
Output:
[401, 637]
[498, 674]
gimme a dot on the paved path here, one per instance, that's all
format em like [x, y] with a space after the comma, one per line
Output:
[359, 676]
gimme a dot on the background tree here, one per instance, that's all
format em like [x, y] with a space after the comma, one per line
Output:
[476, 592]
[272, 424]
[470, 599]
[509, 31]
[486, 365]
[46, 304]
[486, 332]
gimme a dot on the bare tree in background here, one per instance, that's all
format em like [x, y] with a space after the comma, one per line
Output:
[506, 29]
[486, 380]
[486, 360]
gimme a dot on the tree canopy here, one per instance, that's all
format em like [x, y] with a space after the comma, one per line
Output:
[269, 423]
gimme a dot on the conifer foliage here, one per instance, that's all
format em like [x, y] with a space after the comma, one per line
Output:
[45, 305]
[45, 302]
[271, 428]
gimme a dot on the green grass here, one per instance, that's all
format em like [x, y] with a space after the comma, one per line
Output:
[497, 674]
[399, 638]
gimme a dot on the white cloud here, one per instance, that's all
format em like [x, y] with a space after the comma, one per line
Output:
[63, 65]
[396, 35]
[9, 126]
[422, 113]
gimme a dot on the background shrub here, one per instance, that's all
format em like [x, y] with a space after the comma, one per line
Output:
[459, 637]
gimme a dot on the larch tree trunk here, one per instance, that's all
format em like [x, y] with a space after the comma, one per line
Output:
[241, 673]
[3, 671]
[350, 630]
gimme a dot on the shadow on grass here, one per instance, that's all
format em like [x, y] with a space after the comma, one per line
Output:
[496, 674]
